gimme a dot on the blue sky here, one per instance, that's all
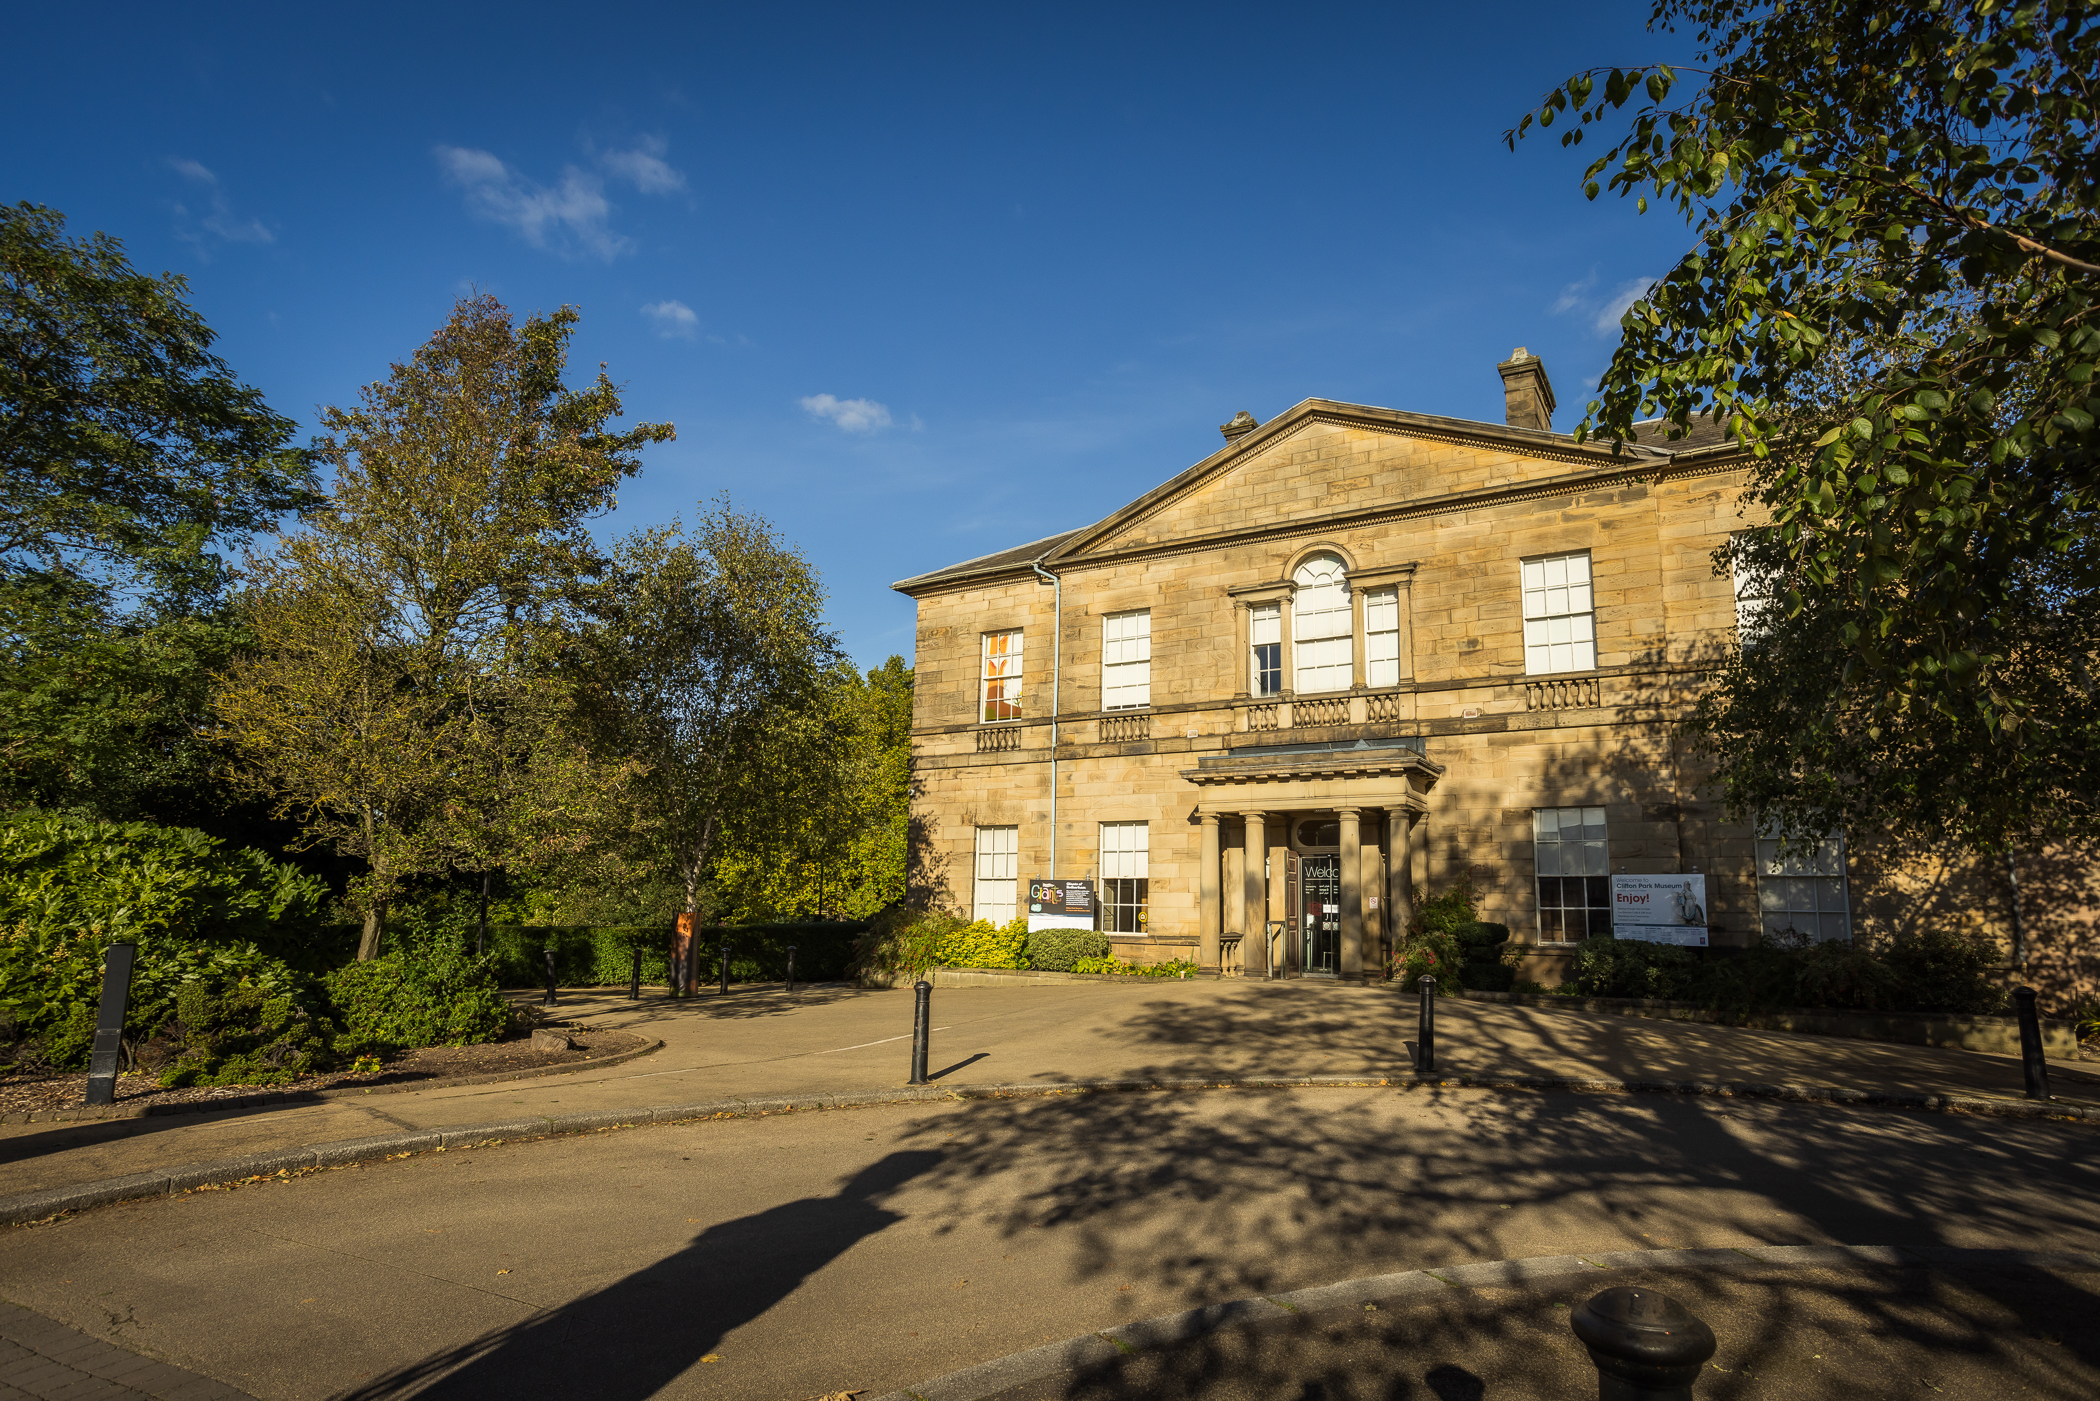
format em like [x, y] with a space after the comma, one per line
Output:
[917, 283]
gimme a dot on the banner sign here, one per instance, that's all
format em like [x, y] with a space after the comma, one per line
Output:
[1060, 904]
[1660, 909]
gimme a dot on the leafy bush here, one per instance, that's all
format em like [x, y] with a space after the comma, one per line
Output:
[1059, 950]
[1945, 970]
[1606, 966]
[982, 944]
[1432, 946]
[239, 1037]
[389, 1004]
[1932, 971]
[202, 914]
[1170, 968]
[902, 942]
[1488, 977]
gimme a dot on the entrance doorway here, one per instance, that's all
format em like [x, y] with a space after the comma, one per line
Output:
[1320, 916]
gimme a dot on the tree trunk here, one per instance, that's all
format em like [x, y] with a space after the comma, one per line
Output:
[481, 932]
[368, 945]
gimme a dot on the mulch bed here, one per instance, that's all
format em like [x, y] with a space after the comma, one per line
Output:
[35, 1093]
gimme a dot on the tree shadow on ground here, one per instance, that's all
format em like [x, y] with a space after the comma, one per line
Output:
[1202, 1199]
[1369, 1031]
[1846, 1335]
[632, 1338]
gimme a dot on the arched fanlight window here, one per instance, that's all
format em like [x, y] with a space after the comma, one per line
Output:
[1321, 625]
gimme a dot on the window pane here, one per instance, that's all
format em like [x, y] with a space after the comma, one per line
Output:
[997, 860]
[1559, 627]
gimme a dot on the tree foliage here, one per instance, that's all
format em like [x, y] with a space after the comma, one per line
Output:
[1891, 301]
[839, 849]
[410, 693]
[716, 650]
[131, 460]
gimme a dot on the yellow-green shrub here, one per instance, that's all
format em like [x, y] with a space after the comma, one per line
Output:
[982, 944]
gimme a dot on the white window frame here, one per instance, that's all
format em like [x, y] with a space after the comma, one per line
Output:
[1323, 628]
[1793, 884]
[1264, 630]
[1382, 637]
[1126, 660]
[1753, 597]
[995, 891]
[1560, 615]
[1126, 869]
[1000, 674]
[1554, 854]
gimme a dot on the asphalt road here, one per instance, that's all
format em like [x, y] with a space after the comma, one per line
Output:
[810, 1253]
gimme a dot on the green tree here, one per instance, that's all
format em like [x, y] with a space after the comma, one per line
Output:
[411, 694]
[1890, 301]
[719, 651]
[838, 847]
[131, 459]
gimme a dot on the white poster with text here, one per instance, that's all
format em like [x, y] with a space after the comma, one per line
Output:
[1660, 909]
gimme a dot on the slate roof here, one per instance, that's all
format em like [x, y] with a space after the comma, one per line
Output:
[986, 564]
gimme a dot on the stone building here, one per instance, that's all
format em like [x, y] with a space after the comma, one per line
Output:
[1354, 656]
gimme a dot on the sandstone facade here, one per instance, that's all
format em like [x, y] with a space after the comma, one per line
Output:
[1394, 780]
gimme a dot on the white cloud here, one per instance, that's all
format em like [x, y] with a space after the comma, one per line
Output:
[673, 319]
[1572, 295]
[853, 415]
[573, 213]
[218, 218]
[1607, 322]
[645, 167]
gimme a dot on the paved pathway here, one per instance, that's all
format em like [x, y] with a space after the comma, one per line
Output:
[798, 1255]
[51, 1362]
[759, 1040]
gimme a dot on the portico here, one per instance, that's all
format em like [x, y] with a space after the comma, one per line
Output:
[1321, 876]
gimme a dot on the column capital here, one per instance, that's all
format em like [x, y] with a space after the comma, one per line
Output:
[1350, 811]
[1207, 819]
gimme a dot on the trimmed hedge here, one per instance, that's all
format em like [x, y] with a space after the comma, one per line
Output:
[1059, 950]
[389, 1004]
[602, 955]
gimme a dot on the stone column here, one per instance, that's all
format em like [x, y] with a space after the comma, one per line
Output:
[1399, 871]
[1254, 943]
[1211, 909]
[1352, 950]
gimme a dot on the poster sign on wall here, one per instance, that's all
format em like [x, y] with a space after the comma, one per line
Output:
[1060, 904]
[1660, 909]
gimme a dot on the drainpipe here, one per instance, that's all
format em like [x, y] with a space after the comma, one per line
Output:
[1057, 638]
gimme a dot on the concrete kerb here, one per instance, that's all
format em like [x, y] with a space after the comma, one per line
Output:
[53, 1201]
[264, 1098]
[1004, 1373]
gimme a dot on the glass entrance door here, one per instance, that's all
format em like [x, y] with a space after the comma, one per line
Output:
[1320, 915]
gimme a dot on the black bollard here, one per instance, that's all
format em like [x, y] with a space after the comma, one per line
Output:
[109, 1023]
[634, 981]
[921, 1030]
[1647, 1346]
[791, 968]
[2031, 1059]
[725, 968]
[550, 976]
[1425, 1029]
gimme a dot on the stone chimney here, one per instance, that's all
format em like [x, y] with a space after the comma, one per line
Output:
[1527, 395]
[1242, 424]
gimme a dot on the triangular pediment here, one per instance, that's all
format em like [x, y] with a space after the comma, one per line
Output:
[1326, 461]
